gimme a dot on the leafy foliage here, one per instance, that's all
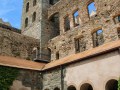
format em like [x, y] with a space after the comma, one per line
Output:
[119, 84]
[7, 76]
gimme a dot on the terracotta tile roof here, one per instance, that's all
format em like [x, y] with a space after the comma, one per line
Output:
[82, 55]
[20, 63]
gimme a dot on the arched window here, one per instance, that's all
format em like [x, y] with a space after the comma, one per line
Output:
[118, 31]
[76, 18]
[55, 25]
[34, 17]
[35, 53]
[26, 22]
[98, 38]
[66, 23]
[57, 88]
[49, 53]
[86, 86]
[34, 2]
[91, 9]
[27, 7]
[71, 88]
[111, 85]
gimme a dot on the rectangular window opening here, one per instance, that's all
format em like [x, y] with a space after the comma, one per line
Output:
[76, 18]
[66, 23]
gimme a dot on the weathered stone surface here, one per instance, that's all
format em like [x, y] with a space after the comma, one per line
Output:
[52, 79]
[17, 45]
[104, 19]
[27, 80]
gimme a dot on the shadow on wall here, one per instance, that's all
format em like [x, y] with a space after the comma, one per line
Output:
[17, 85]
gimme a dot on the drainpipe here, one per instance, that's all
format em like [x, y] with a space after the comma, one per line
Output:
[62, 78]
[119, 50]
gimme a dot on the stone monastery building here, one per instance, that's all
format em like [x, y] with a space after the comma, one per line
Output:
[64, 45]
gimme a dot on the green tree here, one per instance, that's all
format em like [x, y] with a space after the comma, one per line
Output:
[7, 76]
[119, 84]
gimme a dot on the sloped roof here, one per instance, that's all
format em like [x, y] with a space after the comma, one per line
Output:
[20, 63]
[80, 56]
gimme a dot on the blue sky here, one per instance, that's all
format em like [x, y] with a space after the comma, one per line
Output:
[11, 11]
[91, 7]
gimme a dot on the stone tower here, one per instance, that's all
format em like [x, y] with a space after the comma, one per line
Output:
[35, 23]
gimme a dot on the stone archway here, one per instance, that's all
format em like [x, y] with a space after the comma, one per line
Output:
[57, 88]
[71, 88]
[86, 86]
[111, 85]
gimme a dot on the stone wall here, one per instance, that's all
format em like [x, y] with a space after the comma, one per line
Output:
[33, 28]
[52, 79]
[104, 19]
[27, 80]
[15, 44]
[38, 29]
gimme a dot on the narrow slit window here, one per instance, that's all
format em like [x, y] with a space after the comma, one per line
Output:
[91, 9]
[34, 2]
[77, 45]
[27, 7]
[57, 55]
[76, 18]
[34, 17]
[118, 31]
[26, 22]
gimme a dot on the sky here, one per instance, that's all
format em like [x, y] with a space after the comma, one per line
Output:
[11, 11]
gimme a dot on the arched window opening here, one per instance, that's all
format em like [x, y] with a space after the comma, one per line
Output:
[86, 86]
[35, 53]
[34, 17]
[80, 45]
[71, 88]
[112, 85]
[76, 18]
[66, 23]
[54, 24]
[118, 31]
[52, 2]
[117, 19]
[91, 9]
[26, 22]
[49, 53]
[98, 38]
[34, 2]
[57, 55]
[57, 88]
[27, 7]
